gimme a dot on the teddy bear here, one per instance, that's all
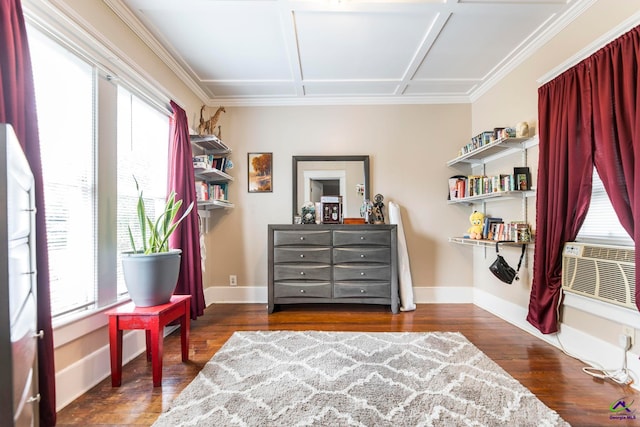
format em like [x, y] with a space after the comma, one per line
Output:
[477, 221]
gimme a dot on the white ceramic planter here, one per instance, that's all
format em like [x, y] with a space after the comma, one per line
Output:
[151, 279]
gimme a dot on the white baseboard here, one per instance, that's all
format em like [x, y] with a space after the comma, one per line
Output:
[258, 295]
[581, 345]
[443, 295]
[81, 376]
[235, 295]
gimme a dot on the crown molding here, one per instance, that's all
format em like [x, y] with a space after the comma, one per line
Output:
[608, 37]
[574, 12]
[60, 21]
[329, 100]
[129, 19]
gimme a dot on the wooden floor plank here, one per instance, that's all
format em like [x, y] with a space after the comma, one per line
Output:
[554, 377]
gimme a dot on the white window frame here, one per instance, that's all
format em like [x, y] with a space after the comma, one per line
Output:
[602, 223]
[46, 18]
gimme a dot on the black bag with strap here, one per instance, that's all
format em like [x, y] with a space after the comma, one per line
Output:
[501, 268]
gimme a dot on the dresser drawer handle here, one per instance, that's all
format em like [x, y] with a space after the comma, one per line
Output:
[362, 256]
[362, 273]
[301, 237]
[302, 291]
[302, 273]
[361, 237]
[301, 255]
[362, 291]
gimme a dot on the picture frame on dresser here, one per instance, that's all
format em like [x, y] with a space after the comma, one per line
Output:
[260, 172]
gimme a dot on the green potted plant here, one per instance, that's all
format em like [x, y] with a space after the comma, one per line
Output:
[151, 269]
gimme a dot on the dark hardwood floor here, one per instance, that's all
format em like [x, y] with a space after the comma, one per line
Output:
[555, 378]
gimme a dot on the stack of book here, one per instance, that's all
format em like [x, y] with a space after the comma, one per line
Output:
[461, 187]
[209, 161]
[496, 229]
[206, 191]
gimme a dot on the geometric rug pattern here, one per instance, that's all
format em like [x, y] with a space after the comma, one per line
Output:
[315, 378]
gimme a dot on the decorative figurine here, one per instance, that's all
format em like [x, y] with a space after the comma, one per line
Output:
[477, 220]
[522, 130]
[365, 211]
[208, 127]
[308, 213]
[378, 209]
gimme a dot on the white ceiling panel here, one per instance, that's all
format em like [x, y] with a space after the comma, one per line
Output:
[334, 45]
[472, 44]
[274, 52]
[222, 40]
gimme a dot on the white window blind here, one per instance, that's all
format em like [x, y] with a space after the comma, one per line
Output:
[87, 228]
[143, 137]
[601, 224]
[65, 106]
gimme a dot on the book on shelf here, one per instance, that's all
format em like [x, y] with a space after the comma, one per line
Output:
[488, 222]
[219, 163]
[202, 191]
[506, 182]
[206, 191]
[453, 192]
[520, 231]
[480, 185]
[517, 231]
[495, 230]
[218, 191]
[457, 187]
[210, 161]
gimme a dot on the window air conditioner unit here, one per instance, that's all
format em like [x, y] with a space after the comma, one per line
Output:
[602, 272]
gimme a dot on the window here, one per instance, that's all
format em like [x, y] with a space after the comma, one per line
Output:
[65, 106]
[601, 224]
[143, 135]
[95, 135]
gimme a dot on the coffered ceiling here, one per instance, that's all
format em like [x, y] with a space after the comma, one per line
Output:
[287, 52]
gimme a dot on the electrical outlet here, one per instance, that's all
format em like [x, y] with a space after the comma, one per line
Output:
[233, 280]
[624, 341]
[630, 332]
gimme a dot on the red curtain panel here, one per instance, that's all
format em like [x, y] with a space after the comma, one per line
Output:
[18, 107]
[187, 235]
[588, 116]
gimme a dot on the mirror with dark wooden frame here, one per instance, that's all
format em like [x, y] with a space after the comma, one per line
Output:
[315, 176]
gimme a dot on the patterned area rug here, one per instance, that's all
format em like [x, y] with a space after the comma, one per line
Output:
[283, 378]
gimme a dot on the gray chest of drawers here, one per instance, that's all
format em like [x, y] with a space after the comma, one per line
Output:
[335, 263]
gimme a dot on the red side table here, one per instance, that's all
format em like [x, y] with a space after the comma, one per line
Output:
[152, 320]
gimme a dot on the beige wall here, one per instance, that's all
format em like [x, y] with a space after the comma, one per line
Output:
[408, 147]
[514, 99]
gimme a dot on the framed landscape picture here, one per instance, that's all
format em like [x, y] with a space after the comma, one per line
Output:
[260, 172]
